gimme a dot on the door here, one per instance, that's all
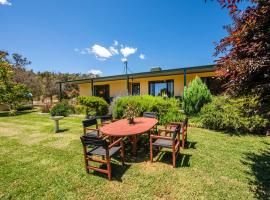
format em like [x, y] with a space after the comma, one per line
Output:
[102, 91]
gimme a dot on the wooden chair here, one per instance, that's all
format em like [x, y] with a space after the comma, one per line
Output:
[87, 127]
[183, 130]
[172, 141]
[100, 147]
[105, 119]
[151, 115]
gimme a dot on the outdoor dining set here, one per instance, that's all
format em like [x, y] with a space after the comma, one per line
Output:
[103, 140]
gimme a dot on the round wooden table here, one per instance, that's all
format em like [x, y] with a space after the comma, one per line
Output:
[122, 128]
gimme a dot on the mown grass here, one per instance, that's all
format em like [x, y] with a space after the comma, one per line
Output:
[35, 163]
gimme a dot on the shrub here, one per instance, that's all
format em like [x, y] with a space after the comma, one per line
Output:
[61, 109]
[167, 108]
[172, 115]
[240, 115]
[24, 105]
[195, 96]
[79, 109]
[93, 105]
[12, 113]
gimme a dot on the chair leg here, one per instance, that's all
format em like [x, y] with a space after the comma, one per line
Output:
[174, 158]
[186, 139]
[86, 166]
[109, 169]
[174, 161]
[183, 140]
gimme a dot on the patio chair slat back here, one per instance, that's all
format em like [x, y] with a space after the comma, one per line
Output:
[150, 115]
[94, 142]
[89, 122]
[105, 118]
[176, 131]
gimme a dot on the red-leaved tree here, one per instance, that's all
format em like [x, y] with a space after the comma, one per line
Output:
[244, 60]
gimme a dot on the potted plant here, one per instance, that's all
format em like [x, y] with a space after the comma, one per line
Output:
[131, 111]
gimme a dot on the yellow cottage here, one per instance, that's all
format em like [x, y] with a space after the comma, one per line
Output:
[156, 82]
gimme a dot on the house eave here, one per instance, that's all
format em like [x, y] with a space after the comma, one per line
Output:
[168, 72]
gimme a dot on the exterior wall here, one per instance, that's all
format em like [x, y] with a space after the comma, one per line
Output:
[192, 76]
[85, 89]
[178, 83]
[119, 87]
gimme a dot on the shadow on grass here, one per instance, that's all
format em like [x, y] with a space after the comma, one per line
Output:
[63, 130]
[260, 170]
[143, 153]
[118, 170]
[190, 145]
[166, 157]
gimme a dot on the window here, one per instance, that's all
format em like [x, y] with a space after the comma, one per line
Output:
[161, 88]
[135, 88]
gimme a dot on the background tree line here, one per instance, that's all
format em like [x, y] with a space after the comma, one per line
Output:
[41, 84]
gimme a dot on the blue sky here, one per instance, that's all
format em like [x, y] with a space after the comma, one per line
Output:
[83, 35]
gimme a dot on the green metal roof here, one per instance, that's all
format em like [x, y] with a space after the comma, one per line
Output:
[167, 72]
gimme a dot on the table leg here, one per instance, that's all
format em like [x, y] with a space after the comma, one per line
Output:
[134, 145]
[56, 127]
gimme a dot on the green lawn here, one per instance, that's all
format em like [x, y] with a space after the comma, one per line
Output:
[35, 163]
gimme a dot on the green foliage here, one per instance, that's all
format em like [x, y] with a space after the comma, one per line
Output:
[11, 93]
[167, 108]
[61, 109]
[79, 109]
[24, 106]
[195, 96]
[131, 110]
[173, 114]
[240, 115]
[244, 53]
[94, 105]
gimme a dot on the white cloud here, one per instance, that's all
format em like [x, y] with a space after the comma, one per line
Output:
[101, 52]
[5, 2]
[128, 51]
[95, 71]
[114, 51]
[115, 43]
[142, 56]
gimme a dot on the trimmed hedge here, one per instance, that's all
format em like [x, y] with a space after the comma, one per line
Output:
[168, 109]
[61, 109]
[237, 115]
[93, 105]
